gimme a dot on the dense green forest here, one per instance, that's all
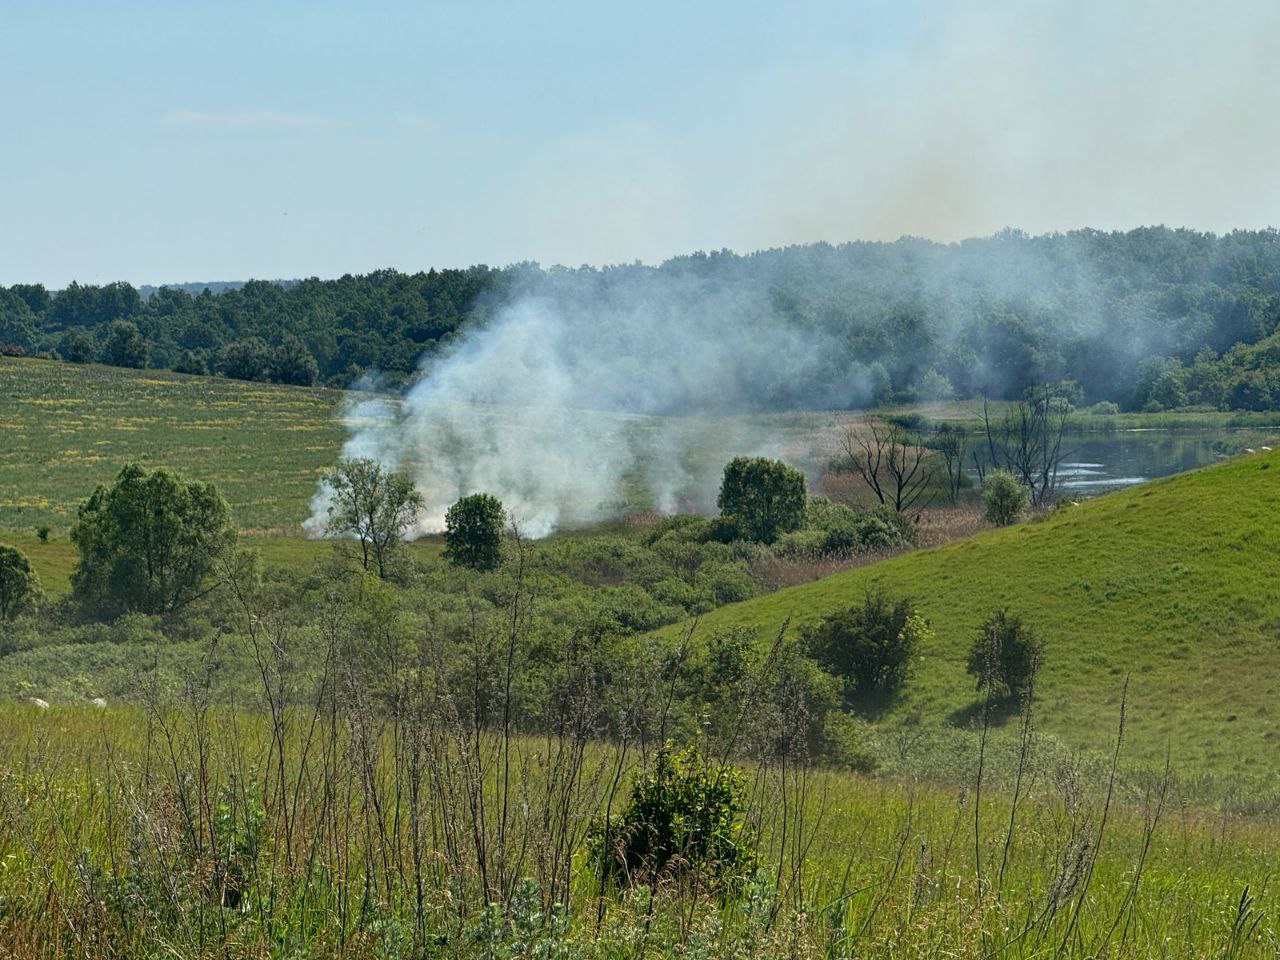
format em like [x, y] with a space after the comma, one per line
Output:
[1153, 318]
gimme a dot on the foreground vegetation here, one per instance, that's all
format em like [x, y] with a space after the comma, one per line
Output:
[360, 819]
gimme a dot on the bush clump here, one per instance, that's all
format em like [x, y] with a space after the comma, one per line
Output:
[683, 815]
[1003, 497]
[1005, 656]
[869, 646]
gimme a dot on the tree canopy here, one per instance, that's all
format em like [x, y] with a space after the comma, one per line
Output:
[372, 505]
[1149, 318]
[473, 532]
[148, 543]
[19, 585]
[763, 497]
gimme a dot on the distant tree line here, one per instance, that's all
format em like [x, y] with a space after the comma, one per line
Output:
[1153, 318]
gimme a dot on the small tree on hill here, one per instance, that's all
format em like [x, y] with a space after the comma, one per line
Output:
[78, 347]
[291, 362]
[148, 542]
[19, 586]
[473, 532]
[125, 346]
[373, 505]
[764, 497]
[1005, 656]
[1003, 497]
[870, 646]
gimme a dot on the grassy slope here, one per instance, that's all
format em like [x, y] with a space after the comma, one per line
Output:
[68, 428]
[1173, 583]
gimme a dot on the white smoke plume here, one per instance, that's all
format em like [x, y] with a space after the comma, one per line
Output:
[584, 388]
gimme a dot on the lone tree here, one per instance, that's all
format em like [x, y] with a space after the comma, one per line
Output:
[473, 532]
[374, 506]
[1005, 656]
[895, 468]
[19, 586]
[148, 542]
[764, 497]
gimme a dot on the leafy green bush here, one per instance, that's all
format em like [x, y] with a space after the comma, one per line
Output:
[869, 646]
[684, 815]
[1005, 655]
[1003, 497]
[765, 497]
[680, 527]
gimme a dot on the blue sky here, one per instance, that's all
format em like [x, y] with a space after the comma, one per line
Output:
[178, 141]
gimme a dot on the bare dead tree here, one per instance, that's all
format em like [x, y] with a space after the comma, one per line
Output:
[894, 467]
[951, 443]
[1027, 440]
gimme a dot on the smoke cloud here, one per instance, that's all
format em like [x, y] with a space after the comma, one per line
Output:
[587, 392]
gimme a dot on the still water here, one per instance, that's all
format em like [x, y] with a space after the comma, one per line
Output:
[1097, 462]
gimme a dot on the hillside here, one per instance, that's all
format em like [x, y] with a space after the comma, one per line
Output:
[70, 427]
[1172, 583]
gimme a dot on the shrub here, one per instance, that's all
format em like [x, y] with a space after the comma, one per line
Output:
[685, 527]
[473, 532]
[766, 497]
[1104, 408]
[869, 646]
[1003, 497]
[19, 585]
[684, 815]
[42, 534]
[801, 544]
[1005, 656]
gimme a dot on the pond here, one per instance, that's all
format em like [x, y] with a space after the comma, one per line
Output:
[1094, 463]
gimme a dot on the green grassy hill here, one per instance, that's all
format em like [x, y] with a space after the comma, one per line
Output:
[69, 427]
[1174, 583]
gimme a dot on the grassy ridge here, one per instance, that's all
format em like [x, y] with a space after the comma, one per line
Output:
[1172, 583]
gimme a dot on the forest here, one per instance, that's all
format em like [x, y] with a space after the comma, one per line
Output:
[1150, 319]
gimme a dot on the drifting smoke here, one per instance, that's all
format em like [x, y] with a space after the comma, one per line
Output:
[585, 387]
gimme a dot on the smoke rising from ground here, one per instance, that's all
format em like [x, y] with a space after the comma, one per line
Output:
[587, 389]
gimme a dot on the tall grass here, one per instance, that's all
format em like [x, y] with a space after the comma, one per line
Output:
[400, 805]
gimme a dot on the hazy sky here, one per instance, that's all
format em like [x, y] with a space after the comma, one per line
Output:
[179, 141]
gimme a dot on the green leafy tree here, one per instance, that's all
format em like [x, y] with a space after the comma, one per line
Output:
[78, 347]
[374, 506]
[473, 532]
[148, 543]
[763, 497]
[870, 646]
[246, 359]
[1003, 497]
[1005, 656]
[291, 362]
[19, 585]
[125, 346]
